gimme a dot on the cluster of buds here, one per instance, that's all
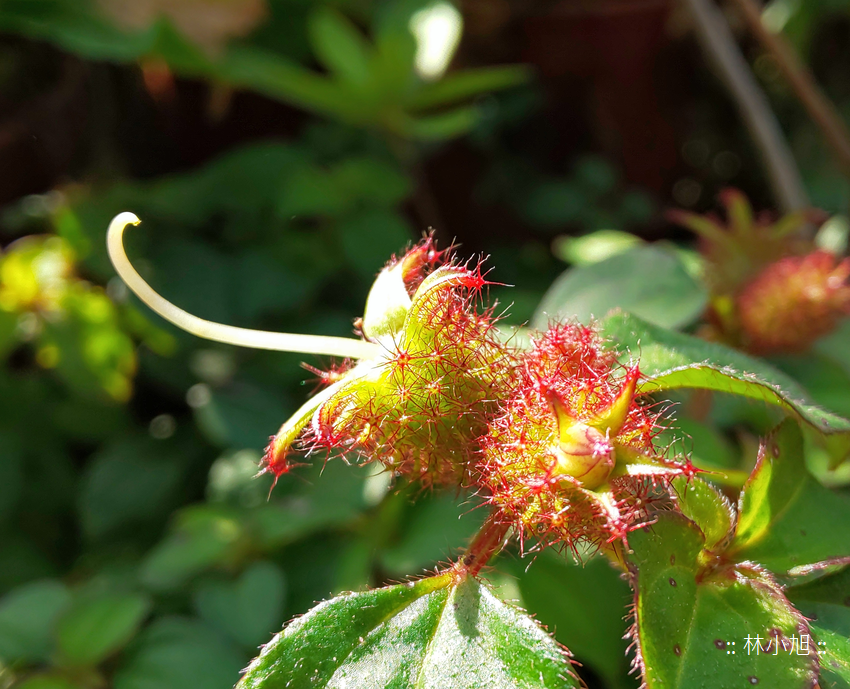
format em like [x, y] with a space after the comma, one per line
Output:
[552, 437]
[772, 291]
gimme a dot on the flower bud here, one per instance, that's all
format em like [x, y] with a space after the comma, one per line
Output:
[571, 451]
[418, 407]
[793, 302]
[582, 452]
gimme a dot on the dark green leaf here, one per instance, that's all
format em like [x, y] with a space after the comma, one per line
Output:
[128, 483]
[555, 203]
[646, 280]
[340, 46]
[27, 618]
[47, 682]
[11, 472]
[469, 83]
[367, 238]
[707, 508]
[673, 360]
[826, 601]
[247, 609]
[693, 626]
[241, 415]
[92, 629]
[203, 537]
[435, 632]
[335, 496]
[176, 653]
[435, 528]
[441, 127]
[787, 519]
[824, 380]
[584, 606]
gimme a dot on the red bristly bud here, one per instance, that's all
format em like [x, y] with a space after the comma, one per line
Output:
[568, 457]
[793, 302]
[420, 406]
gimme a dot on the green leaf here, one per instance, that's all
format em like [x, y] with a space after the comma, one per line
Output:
[93, 629]
[469, 83]
[340, 46]
[335, 496]
[203, 536]
[584, 607]
[176, 653]
[689, 621]
[433, 530]
[435, 632]
[787, 519]
[11, 472]
[826, 601]
[646, 280]
[241, 415]
[825, 380]
[281, 80]
[446, 125]
[246, 609]
[47, 682]
[128, 483]
[27, 618]
[368, 238]
[555, 203]
[707, 508]
[834, 652]
[671, 361]
[594, 247]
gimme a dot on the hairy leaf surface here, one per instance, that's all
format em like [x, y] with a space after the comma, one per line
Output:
[437, 632]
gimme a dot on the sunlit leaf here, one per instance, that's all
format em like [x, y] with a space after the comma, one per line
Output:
[435, 632]
[697, 628]
[584, 607]
[707, 508]
[786, 517]
[646, 280]
[671, 360]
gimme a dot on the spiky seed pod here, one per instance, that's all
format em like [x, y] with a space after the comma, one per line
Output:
[570, 457]
[772, 290]
[420, 410]
[739, 249]
[793, 302]
[419, 407]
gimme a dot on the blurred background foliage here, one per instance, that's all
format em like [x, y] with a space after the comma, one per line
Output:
[278, 152]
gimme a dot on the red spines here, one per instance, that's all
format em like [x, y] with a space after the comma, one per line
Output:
[427, 400]
[551, 437]
[570, 457]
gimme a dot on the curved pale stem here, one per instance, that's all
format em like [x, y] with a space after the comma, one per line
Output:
[243, 337]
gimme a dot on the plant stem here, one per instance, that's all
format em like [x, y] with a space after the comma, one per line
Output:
[718, 42]
[487, 542]
[802, 81]
[256, 339]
